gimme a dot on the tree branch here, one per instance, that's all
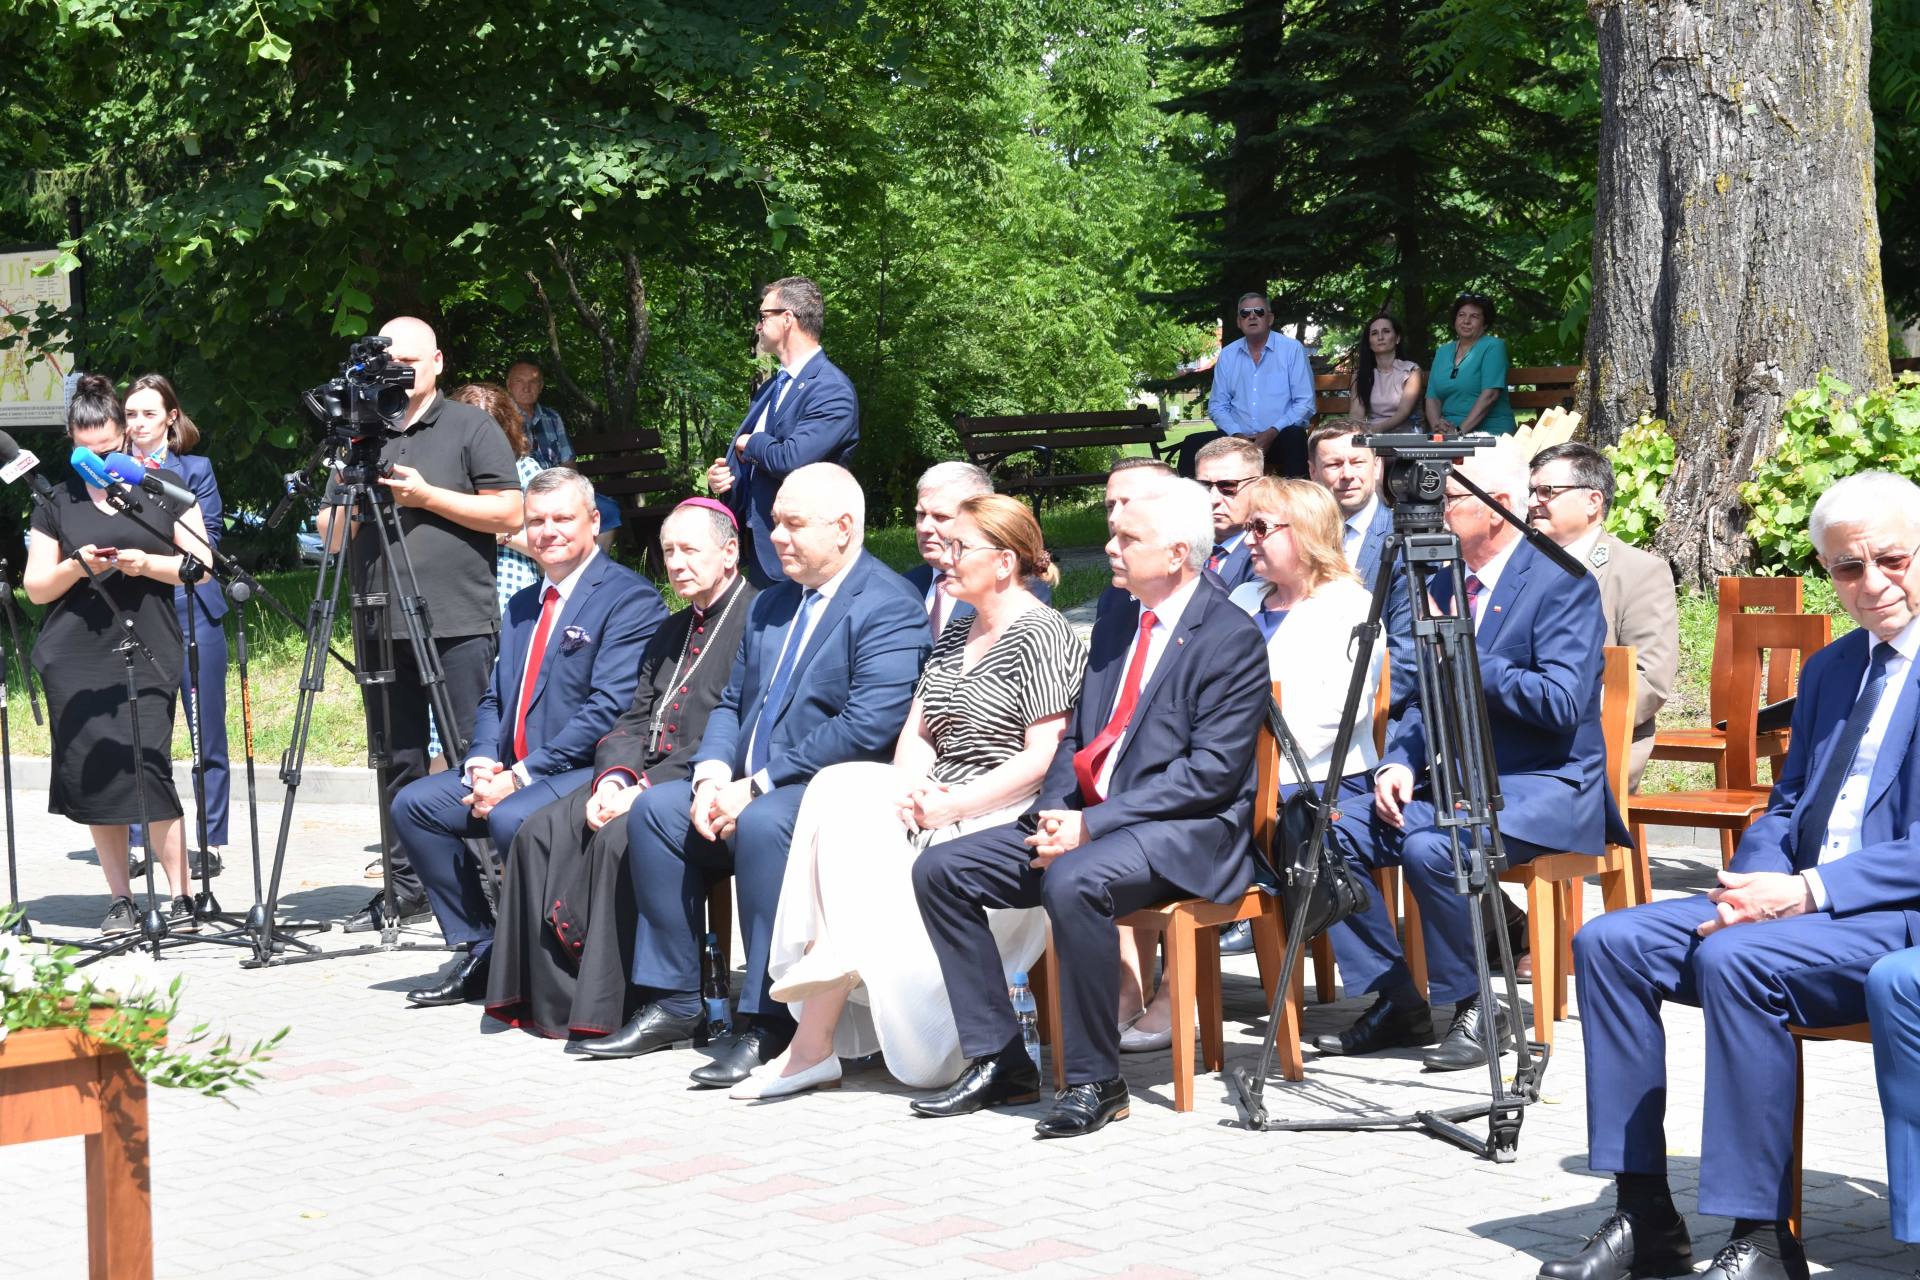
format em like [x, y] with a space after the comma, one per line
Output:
[553, 345]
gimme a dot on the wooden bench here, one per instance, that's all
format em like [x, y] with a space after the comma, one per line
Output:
[1535, 387]
[630, 469]
[991, 442]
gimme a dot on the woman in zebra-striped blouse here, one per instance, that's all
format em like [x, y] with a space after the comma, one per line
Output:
[986, 719]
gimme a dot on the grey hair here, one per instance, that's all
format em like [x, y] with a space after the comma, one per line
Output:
[1863, 496]
[834, 490]
[1499, 470]
[955, 475]
[559, 478]
[1179, 511]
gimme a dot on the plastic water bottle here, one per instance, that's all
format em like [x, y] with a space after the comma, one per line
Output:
[714, 989]
[1028, 1015]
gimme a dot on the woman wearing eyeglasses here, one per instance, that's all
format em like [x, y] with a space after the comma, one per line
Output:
[1467, 386]
[1387, 387]
[848, 946]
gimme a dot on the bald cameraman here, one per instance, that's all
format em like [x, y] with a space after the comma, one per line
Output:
[451, 475]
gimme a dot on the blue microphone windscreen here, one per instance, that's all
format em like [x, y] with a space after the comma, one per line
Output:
[125, 468]
[91, 467]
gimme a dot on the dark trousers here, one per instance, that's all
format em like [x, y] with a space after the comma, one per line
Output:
[467, 663]
[1286, 452]
[672, 866]
[211, 637]
[1750, 981]
[1893, 995]
[1366, 947]
[1083, 892]
[432, 826]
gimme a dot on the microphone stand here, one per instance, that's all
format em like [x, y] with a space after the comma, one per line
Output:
[12, 653]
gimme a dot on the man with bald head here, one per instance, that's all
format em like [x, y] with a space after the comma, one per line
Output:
[1539, 635]
[825, 674]
[451, 475]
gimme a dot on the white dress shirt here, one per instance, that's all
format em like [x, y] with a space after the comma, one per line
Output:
[1489, 575]
[1849, 807]
[779, 398]
[565, 587]
[1166, 616]
[1353, 535]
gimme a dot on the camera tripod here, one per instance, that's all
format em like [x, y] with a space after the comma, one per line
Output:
[1465, 784]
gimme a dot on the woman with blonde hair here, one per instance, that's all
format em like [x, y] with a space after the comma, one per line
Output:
[849, 949]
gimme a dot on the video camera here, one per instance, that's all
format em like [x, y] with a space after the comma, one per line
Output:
[371, 393]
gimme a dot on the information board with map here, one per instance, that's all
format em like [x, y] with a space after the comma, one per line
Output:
[32, 381]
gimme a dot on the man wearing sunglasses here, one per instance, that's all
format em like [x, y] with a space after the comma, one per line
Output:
[1262, 390]
[1225, 467]
[1571, 493]
[807, 412]
[1824, 884]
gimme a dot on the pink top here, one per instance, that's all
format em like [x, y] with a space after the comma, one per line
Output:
[1388, 385]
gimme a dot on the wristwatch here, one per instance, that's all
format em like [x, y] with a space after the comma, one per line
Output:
[754, 789]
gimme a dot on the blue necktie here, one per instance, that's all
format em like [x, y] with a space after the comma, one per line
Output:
[1817, 810]
[780, 380]
[782, 677]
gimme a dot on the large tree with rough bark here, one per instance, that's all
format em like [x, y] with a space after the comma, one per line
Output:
[1736, 242]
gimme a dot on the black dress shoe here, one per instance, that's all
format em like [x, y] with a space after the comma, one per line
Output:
[462, 980]
[1744, 1258]
[1007, 1079]
[1460, 1049]
[1236, 939]
[374, 914]
[754, 1047]
[650, 1029]
[204, 867]
[1621, 1251]
[1080, 1109]
[1385, 1025]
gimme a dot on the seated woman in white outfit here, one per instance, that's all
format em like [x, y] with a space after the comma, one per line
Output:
[1307, 600]
[848, 948]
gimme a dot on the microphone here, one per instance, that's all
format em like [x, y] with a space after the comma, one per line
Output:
[16, 462]
[92, 468]
[130, 470]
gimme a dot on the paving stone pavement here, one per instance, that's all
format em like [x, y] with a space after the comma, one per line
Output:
[395, 1142]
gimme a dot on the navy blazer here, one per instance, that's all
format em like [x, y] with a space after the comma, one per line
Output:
[1884, 872]
[198, 473]
[1183, 781]
[848, 697]
[1237, 568]
[819, 421]
[586, 679]
[1398, 616]
[920, 577]
[1540, 643]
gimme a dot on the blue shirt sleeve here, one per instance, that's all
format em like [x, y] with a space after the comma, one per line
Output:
[1300, 398]
[1221, 405]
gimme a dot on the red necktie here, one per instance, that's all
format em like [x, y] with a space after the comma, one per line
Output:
[537, 653]
[1219, 554]
[1090, 759]
[1473, 594]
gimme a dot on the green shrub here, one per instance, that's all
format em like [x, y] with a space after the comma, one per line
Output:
[1642, 465]
[1826, 433]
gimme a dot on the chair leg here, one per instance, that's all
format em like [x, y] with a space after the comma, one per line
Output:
[1729, 841]
[1293, 1064]
[1052, 1015]
[1543, 934]
[1617, 890]
[1213, 1034]
[1323, 969]
[1799, 1132]
[1269, 947]
[1386, 880]
[1570, 899]
[1413, 945]
[1181, 974]
[1642, 868]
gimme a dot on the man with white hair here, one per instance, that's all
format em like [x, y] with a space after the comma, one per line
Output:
[1822, 886]
[1149, 797]
[1539, 635]
[937, 498]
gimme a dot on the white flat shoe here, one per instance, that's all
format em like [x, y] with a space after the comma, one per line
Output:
[1134, 1040]
[767, 1082]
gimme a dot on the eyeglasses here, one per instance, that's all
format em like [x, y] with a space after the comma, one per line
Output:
[776, 311]
[1892, 563]
[1455, 497]
[1228, 488]
[1246, 312]
[956, 549]
[1261, 529]
[1548, 492]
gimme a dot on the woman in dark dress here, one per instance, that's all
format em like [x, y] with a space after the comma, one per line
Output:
[84, 558]
[563, 937]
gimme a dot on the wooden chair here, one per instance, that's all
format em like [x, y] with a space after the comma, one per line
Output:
[1860, 1033]
[1772, 639]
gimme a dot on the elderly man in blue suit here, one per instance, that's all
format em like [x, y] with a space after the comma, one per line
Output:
[1539, 636]
[937, 498]
[806, 413]
[1825, 883]
[825, 674]
[1149, 797]
[569, 662]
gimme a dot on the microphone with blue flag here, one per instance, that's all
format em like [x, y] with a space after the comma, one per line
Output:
[129, 470]
[92, 468]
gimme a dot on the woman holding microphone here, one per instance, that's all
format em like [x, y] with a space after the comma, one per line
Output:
[161, 435]
[84, 560]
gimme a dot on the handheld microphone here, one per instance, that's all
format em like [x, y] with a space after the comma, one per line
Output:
[131, 471]
[16, 462]
[92, 468]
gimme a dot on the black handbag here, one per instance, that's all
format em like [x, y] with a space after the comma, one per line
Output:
[1338, 891]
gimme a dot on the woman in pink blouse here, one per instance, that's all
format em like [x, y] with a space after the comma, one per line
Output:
[1386, 386]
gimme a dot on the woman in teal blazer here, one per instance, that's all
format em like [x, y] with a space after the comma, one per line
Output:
[1467, 386]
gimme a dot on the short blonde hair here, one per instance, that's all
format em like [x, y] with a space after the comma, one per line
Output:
[1315, 518]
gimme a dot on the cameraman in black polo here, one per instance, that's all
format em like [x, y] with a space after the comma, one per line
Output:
[452, 477]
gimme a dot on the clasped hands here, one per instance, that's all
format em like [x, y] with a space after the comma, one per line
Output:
[489, 783]
[926, 805]
[1056, 831]
[610, 800]
[1747, 897]
[717, 806]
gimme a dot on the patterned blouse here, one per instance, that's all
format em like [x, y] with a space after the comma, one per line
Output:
[979, 719]
[512, 571]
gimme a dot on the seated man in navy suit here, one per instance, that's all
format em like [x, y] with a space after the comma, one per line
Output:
[942, 488]
[1224, 467]
[569, 662]
[1825, 883]
[825, 674]
[1539, 635]
[1150, 797]
[805, 413]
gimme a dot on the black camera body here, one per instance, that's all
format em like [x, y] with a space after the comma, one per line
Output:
[370, 394]
[1416, 468]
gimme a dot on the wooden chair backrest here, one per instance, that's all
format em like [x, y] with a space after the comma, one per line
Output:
[1382, 698]
[1769, 639]
[1746, 595]
[1619, 690]
[1266, 758]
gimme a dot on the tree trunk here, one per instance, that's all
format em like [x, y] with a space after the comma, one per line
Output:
[1736, 245]
[1252, 171]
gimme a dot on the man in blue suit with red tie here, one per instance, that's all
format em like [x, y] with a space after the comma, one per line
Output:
[569, 662]
[1149, 797]
[1824, 884]
[806, 413]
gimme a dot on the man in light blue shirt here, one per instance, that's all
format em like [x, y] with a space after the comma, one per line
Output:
[1262, 389]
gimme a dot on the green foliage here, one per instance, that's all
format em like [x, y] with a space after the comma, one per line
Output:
[42, 989]
[1826, 433]
[1642, 465]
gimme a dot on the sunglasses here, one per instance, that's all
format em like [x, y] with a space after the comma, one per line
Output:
[1261, 529]
[1228, 488]
[1245, 312]
[1894, 564]
[776, 311]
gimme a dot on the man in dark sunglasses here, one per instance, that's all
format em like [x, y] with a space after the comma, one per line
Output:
[1262, 390]
[1226, 468]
